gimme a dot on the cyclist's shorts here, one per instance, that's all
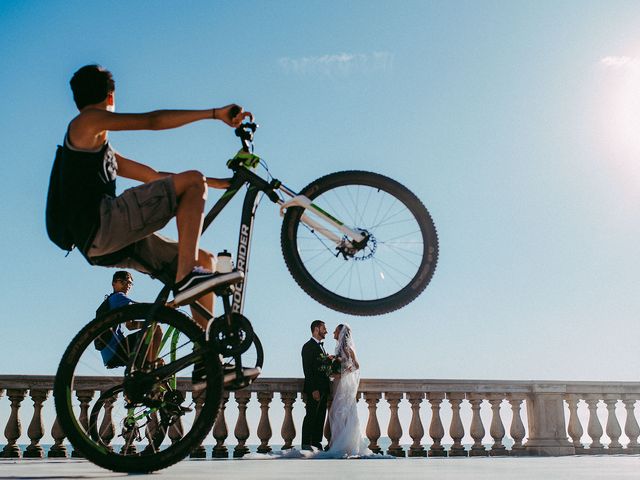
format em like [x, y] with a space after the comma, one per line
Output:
[134, 215]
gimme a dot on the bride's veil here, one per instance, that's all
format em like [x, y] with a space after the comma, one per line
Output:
[345, 343]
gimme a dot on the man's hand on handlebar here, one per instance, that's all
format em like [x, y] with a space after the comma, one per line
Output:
[232, 115]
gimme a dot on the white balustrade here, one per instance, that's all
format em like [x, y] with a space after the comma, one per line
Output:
[420, 417]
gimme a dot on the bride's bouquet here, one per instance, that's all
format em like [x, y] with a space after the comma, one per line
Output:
[329, 365]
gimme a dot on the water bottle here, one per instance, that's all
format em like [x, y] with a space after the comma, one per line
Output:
[224, 264]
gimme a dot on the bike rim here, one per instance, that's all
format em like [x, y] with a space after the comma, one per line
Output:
[106, 420]
[390, 260]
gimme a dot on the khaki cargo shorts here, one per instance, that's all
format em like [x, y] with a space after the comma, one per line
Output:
[131, 220]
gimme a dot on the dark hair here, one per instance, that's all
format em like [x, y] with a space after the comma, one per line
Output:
[91, 84]
[340, 327]
[316, 324]
[121, 275]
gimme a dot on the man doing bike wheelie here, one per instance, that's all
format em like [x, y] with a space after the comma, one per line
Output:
[120, 230]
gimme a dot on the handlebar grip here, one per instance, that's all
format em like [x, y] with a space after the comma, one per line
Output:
[234, 111]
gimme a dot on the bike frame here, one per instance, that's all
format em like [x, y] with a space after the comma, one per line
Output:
[241, 165]
[243, 175]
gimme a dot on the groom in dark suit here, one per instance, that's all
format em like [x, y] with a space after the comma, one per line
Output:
[316, 387]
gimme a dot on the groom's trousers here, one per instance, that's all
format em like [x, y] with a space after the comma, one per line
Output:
[313, 423]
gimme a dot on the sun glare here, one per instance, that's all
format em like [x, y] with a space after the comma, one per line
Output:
[619, 113]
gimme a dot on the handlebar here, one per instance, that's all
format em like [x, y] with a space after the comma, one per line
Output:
[245, 133]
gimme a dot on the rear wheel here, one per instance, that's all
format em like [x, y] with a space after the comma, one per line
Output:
[145, 421]
[389, 269]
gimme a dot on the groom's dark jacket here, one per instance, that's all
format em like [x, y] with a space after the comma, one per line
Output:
[314, 378]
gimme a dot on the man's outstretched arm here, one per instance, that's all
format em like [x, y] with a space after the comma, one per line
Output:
[93, 121]
[143, 173]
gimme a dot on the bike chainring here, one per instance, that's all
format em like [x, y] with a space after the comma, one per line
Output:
[231, 338]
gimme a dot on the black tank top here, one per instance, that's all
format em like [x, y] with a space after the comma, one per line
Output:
[87, 177]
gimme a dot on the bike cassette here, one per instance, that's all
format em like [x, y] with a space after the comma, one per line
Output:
[231, 338]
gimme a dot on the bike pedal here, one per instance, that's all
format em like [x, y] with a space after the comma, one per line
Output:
[232, 381]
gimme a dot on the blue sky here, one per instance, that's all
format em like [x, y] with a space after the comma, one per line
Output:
[516, 123]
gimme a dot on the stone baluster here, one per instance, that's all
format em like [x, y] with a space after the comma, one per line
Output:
[288, 430]
[394, 430]
[574, 429]
[496, 430]
[477, 429]
[326, 431]
[36, 428]
[220, 430]
[58, 449]
[373, 427]
[84, 396]
[107, 427]
[594, 428]
[199, 398]
[150, 431]
[456, 429]
[613, 426]
[416, 430]
[176, 429]
[13, 429]
[516, 430]
[241, 431]
[264, 425]
[631, 428]
[436, 430]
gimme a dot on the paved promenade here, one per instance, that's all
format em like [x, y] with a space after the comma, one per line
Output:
[565, 468]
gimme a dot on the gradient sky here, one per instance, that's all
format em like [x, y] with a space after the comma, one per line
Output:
[516, 123]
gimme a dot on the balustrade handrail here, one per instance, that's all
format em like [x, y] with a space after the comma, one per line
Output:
[45, 382]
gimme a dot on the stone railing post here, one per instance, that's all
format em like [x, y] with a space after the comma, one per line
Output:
[394, 430]
[613, 426]
[574, 428]
[416, 430]
[264, 425]
[288, 429]
[516, 430]
[456, 429]
[545, 414]
[373, 427]
[107, 429]
[84, 396]
[496, 430]
[199, 398]
[477, 429]
[220, 430]
[631, 428]
[13, 430]
[594, 428]
[58, 449]
[241, 431]
[436, 430]
[176, 429]
[36, 428]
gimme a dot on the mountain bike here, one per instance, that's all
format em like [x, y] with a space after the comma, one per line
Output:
[357, 242]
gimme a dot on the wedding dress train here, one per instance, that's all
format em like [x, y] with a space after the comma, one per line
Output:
[346, 439]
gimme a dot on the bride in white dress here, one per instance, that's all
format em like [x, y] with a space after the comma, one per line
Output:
[346, 439]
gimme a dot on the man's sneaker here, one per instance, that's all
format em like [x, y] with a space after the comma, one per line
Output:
[200, 282]
[199, 377]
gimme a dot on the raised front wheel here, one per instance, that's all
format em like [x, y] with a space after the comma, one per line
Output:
[383, 273]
